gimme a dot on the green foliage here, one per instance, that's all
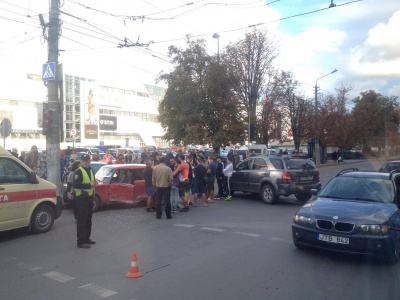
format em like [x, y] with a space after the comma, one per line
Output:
[199, 105]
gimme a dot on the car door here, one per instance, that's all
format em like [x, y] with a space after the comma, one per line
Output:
[121, 189]
[18, 196]
[139, 184]
[259, 170]
[240, 177]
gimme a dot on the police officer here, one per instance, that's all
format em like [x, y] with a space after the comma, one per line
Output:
[84, 185]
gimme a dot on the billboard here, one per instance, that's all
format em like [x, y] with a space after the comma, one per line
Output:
[89, 113]
[108, 122]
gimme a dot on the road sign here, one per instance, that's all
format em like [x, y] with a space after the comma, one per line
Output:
[5, 127]
[49, 71]
[72, 132]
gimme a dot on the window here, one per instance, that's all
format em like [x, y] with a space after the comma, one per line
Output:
[259, 163]
[244, 165]
[12, 172]
[277, 163]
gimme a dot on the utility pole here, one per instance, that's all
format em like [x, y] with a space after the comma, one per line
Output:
[53, 139]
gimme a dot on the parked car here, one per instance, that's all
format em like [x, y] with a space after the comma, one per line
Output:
[356, 212]
[96, 165]
[272, 176]
[119, 184]
[88, 150]
[390, 166]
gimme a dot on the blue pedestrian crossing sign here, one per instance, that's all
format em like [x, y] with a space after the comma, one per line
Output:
[49, 71]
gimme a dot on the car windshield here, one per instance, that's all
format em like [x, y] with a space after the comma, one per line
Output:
[299, 163]
[104, 174]
[359, 188]
[392, 166]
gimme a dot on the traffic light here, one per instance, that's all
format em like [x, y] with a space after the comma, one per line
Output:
[48, 116]
[253, 132]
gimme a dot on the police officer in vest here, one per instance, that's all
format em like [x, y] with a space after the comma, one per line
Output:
[84, 185]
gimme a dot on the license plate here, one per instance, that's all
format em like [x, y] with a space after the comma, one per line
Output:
[333, 239]
[306, 178]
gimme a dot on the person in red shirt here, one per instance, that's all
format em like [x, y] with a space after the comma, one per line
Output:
[183, 171]
[107, 158]
[120, 159]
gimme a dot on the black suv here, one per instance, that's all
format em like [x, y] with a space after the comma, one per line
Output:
[275, 175]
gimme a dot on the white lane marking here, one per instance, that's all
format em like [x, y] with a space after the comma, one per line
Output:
[58, 276]
[281, 240]
[183, 225]
[36, 268]
[247, 234]
[9, 258]
[213, 229]
[98, 290]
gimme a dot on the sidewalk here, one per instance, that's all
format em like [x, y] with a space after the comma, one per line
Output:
[352, 161]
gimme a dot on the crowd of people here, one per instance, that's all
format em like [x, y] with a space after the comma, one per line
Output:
[170, 180]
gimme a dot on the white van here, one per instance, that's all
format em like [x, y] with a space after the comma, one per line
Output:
[25, 199]
[262, 150]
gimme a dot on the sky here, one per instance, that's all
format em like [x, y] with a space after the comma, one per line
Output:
[360, 39]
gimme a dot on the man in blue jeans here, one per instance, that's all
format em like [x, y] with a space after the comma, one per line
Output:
[210, 177]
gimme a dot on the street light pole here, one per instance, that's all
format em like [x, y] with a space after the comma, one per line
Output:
[317, 154]
[216, 36]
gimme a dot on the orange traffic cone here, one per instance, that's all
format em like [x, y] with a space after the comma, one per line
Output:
[134, 269]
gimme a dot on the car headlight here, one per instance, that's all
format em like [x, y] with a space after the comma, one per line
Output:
[374, 229]
[303, 220]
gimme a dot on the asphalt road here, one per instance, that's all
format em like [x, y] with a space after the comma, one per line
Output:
[239, 249]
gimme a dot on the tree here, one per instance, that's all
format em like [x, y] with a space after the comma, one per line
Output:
[250, 60]
[297, 112]
[199, 105]
[334, 122]
[372, 116]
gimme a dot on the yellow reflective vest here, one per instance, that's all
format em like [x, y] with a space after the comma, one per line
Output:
[86, 179]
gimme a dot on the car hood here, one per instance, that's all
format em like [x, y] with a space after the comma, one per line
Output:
[350, 211]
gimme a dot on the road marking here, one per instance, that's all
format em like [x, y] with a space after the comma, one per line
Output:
[98, 290]
[58, 276]
[9, 258]
[213, 229]
[183, 225]
[281, 240]
[36, 268]
[247, 234]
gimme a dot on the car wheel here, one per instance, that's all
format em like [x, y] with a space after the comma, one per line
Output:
[42, 219]
[96, 203]
[393, 256]
[268, 194]
[303, 197]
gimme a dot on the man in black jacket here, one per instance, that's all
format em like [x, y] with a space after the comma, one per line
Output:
[84, 185]
[220, 177]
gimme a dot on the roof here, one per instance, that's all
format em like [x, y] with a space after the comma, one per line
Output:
[364, 174]
[4, 152]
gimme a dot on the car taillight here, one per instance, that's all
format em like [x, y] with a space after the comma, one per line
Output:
[286, 177]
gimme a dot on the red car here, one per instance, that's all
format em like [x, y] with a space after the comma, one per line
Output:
[119, 184]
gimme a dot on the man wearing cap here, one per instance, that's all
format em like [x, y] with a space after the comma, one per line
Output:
[84, 185]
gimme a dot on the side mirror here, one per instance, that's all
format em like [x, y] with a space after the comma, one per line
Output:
[33, 178]
[380, 170]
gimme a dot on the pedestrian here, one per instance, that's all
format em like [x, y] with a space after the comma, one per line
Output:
[334, 156]
[84, 186]
[168, 157]
[150, 190]
[120, 160]
[14, 152]
[67, 153]
[70, 187]
[32, 159]
[107, 158]
[236, 159]
[199, 182]
[228, 170]
[96, 156]
[174, 195]
[129, 157]
[162, 180]
[22, 156]
[220, 178]
[183, 170]
[210, 178]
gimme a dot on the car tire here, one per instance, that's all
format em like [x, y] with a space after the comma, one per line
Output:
[303, 197]
[268, 194]
[96, 203]
[42, 219]
[393, 256]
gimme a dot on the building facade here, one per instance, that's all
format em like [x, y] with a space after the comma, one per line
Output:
[98, 113]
